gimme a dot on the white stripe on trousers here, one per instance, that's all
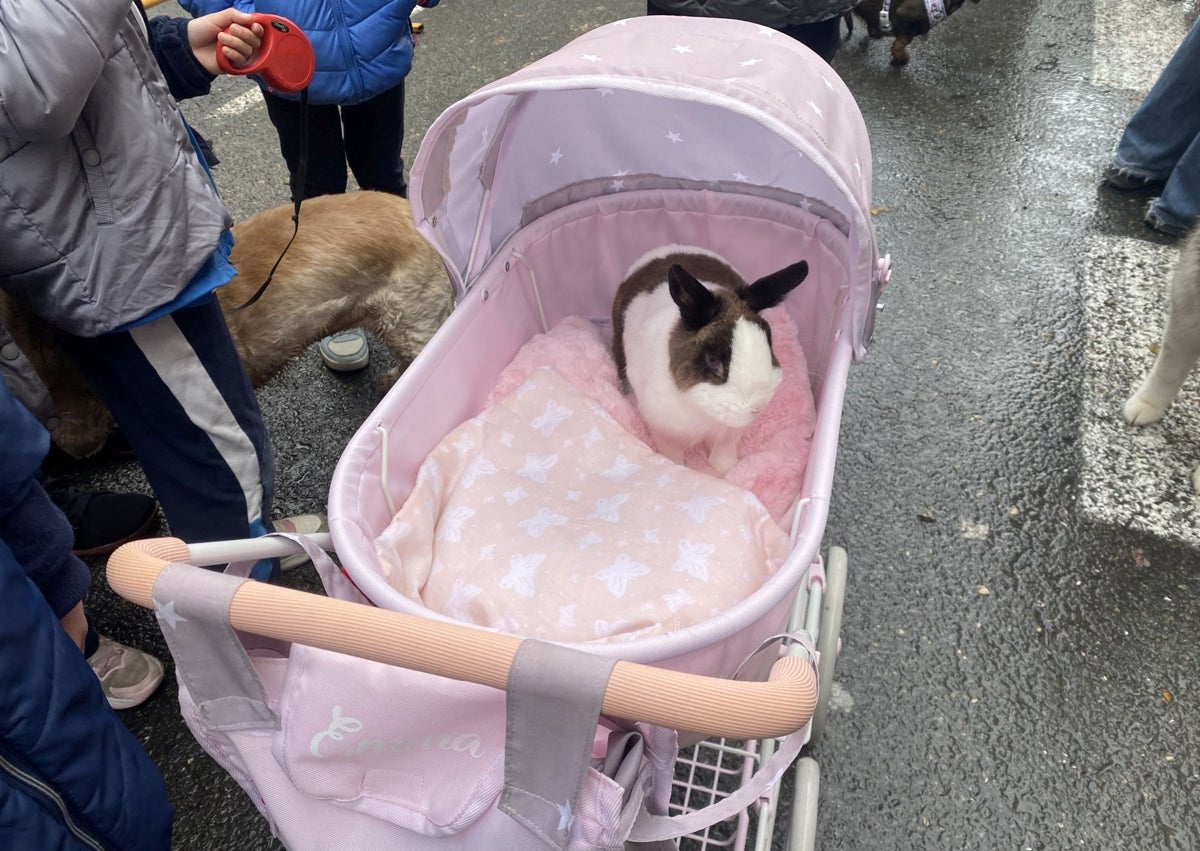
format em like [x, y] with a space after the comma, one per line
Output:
[177, 364]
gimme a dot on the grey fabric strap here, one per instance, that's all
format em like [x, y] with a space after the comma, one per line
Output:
[554, 700]
[192, 607]
[93, 172]
[337, 584]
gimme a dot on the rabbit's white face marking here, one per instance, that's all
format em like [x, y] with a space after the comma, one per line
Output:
[752, 381]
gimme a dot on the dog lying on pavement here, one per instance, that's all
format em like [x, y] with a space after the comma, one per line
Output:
[1180, 349]
[357, 262]
[909, 19]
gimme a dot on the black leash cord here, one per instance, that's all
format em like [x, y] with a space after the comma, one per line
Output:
[298, 180]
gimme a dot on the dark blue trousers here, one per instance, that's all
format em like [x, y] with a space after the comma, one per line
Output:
[366, 136]
[181, 396]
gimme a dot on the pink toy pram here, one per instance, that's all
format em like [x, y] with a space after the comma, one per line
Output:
[539, 190]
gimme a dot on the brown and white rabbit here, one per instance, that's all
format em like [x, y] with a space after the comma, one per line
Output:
[692, 348]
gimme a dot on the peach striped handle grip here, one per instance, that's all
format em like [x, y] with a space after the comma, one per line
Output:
[687, 702]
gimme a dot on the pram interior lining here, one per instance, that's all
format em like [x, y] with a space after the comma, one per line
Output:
[569, 263]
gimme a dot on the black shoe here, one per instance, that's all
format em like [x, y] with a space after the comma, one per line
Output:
[1127, 181]
[102, 521]
[1157, 221]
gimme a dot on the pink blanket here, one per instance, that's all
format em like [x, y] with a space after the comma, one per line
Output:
[774, 449]
[544, 517]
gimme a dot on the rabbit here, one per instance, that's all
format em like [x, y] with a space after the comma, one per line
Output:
[691, 347]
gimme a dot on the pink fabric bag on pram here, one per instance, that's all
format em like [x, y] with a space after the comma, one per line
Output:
[357, 754]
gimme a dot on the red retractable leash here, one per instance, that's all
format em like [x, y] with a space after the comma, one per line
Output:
[284, 60]
[286, 63]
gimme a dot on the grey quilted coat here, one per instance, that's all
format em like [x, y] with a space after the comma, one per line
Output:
[106, 212]
[769, 13]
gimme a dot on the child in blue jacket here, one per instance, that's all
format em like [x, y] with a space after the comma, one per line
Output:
[355, 107]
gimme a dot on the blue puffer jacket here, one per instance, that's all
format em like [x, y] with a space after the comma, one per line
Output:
[362, 47]
[71, 775]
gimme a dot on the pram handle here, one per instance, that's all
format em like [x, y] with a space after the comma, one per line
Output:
[709, 706]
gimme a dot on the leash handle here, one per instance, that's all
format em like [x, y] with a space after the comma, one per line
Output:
[284, 60]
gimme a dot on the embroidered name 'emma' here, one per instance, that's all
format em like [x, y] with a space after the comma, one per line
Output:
[464, 743]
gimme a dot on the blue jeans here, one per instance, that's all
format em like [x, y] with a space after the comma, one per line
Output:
[1161, 142]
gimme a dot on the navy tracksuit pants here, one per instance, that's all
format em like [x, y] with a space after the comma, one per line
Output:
[181, 396]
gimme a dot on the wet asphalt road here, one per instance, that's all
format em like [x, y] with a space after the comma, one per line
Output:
[1015, 674]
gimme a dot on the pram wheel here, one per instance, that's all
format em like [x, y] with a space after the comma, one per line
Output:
[829, 635]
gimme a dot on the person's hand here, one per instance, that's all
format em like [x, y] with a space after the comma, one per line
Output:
[229, 31]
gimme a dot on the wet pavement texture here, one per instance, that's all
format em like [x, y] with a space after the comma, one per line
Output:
[1019, 649]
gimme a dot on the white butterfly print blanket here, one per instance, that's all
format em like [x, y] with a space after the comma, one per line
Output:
[543, 517]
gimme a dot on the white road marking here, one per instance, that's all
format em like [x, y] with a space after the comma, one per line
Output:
[1134, 477]
[243, 102]
[1133, 41]
[840, 700]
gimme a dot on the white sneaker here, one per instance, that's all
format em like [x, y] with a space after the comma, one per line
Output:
[127, 675]
[301, 524]
[346, 351]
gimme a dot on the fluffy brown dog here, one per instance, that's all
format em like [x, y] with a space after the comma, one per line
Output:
[910, 18]
[357, 262]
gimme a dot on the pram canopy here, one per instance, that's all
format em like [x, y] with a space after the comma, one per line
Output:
[651, 103]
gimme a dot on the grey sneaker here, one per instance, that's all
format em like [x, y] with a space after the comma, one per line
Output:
[302, 524]
[127, 676]
[346, 351]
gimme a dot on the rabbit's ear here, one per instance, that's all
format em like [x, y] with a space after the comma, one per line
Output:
[771, 290]
[696, 304]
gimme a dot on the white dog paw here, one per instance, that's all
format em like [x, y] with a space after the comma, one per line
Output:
[1196, 480]
[1140, 412]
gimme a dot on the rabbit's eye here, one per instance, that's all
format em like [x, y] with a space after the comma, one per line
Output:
[714, 364]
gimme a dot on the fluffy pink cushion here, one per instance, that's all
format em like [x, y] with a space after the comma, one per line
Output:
[774, 449]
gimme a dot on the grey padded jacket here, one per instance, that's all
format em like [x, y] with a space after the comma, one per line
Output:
[106, 212]
[769, 13]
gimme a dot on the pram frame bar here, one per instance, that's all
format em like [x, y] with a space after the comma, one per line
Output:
[707, 706]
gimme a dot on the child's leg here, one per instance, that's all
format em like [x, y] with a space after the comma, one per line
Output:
[182, 398]
[1167, 121]
[374, 138]
[1179, 204]
[325, 169]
